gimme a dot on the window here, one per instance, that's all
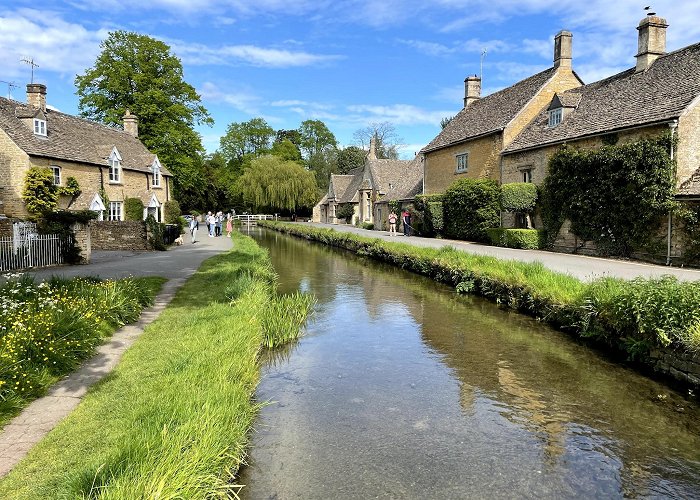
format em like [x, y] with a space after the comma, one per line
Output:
[115, 167]
[56, 171]
[156, 177]
[39, 127]
[462, 162]
[527, 175]
[115, 210]
[555, 116]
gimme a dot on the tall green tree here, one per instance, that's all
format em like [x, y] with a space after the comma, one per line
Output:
[271, 183]
[387, 140]
[253, 137]
[138, 73]
[349, 158]
[315, 138]
[286, 150]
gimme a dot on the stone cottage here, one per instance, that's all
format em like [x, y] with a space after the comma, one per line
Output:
[660, 94]
[109, 164]
[370, 188]
[470, 145]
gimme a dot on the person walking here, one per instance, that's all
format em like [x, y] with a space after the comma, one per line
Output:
[194, 225]
[406, 219]
[229, 226]
[392, 223]
[219, 222]
[211, 222]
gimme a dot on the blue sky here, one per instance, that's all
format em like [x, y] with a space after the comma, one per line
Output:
[348, 63]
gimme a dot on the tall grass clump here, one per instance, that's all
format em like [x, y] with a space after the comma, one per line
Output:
[285, 317]
[47, 329]
[635, 316]
[173, 419]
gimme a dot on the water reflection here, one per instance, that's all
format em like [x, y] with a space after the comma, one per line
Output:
[404, 390]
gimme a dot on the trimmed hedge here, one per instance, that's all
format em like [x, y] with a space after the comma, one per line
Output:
[529, 239]
[470, 207]
[518, 197]
[133, 209]
[430, 208]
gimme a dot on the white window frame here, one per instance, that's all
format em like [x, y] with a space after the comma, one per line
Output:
[462, 160]
[155, 167]
[56, 172]
[555, 117]
[39, 127]
[527, 175]
[115, 167]
[116, 210]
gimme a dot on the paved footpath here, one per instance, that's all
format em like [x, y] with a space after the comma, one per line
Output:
[42, 415]
[580, 266]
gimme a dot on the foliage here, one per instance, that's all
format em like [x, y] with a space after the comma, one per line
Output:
[345, 211]
[367, 225]
[253, 137]
[46, 329]
[60, 222]
[530, 239]
[40, 194]
[689, 214]
[171, 212]
[286, 150]
[150, 434]
[387, 140]
[285, 317]
[275, 184]
[518, 197]
[315, 138]
[133, 209]
[430, 208]
[613, 196]
[470, 206]
[349, 158]
[138, 73]
[323, 164]
[633, 316]
[445, 121]
[156, 233]
[72, 188]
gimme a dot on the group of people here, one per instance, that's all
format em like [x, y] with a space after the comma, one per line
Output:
[405, 220]
[214, 224]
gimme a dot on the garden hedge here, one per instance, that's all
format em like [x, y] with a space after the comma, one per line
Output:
[530, 239]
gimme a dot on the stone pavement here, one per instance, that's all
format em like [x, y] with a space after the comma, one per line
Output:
[42, 415]
[580, 266]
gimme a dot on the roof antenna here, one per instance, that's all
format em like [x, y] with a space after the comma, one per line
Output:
[481, 69]
[30, 61]
[10, 86]
[648, 8]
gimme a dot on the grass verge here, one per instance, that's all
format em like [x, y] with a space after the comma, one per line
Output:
[171, 421]
[631, 316]
[47, 329]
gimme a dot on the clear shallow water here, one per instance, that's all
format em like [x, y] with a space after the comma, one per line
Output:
[402, 389]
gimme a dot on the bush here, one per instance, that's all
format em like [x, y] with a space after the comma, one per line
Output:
[367, 225]
[470, 207]
[345, 211]
[430, 208]
[518, 197]
[171, 212]
[40, 194]
[133, 209]
[156, 233]
[529, 239]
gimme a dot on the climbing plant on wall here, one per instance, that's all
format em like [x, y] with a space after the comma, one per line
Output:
[613, 196]
[40, 194]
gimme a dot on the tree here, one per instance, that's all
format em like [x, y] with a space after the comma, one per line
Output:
[293, 135]
[138, 73]
[323, 164]
[316, 138]
[387, 141]
[40, 194]
[286, 150]
[275, 184]
[253, 137]
[445, 121]
[349, 158]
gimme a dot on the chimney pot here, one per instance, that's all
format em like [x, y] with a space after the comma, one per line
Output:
[131, 124]
[562, 49]
[36, 95]
[472, 90]
[651, 41]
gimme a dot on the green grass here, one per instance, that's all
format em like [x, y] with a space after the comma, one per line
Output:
[631, 316]
[172, 420]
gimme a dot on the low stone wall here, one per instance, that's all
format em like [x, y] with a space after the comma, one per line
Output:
[681, 366]
[83, 240]
[118, 235]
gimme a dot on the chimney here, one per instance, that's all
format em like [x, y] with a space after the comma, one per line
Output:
[472, 90]
[372, 155]
[131, 124]
[652, 41]
[562, 49]
[36, 95]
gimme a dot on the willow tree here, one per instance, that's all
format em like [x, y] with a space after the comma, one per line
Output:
[273, 183]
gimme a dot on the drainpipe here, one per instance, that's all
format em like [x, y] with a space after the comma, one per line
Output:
[672, 125]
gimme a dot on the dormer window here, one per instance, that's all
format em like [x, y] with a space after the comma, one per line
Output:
[156, 173]
[39, 127]
[555, 117]
[115, 167]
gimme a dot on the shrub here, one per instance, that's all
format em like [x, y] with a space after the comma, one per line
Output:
[156, 233]
[367, 225]
[470, 206]
[530, 239]
[72, 188]
[345, 211]
[518, 197]
[171, 212]
[430, 208]
[40, 194]
[133, 209]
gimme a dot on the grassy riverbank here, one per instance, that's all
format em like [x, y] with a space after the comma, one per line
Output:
[47, 329]
[632, 316]
[172, 420]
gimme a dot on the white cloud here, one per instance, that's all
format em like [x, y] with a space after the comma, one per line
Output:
[397, 114]
[240, 98]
